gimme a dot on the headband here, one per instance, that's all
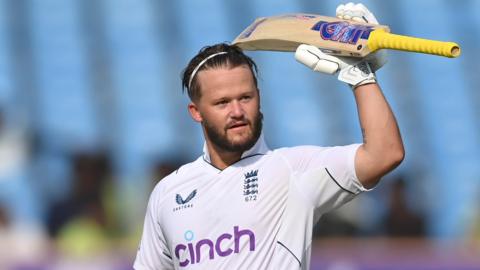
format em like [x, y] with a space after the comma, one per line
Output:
[200, 65]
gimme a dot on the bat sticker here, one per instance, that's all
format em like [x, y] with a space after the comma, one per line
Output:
[299, 16]
[342, 32]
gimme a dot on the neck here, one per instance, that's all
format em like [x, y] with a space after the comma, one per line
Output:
[221, 159]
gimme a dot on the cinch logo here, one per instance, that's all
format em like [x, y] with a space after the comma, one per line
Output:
[193, 250]
[342, 32]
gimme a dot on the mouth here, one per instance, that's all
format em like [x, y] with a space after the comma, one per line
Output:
[237, 126]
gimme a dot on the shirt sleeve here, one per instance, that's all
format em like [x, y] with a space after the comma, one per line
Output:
[153, 253]
[325, 175]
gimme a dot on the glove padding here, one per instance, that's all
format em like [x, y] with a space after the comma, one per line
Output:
[352, 71]
[355, 12]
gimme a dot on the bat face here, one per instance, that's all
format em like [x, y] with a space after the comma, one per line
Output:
[287, 32]
[333, 36]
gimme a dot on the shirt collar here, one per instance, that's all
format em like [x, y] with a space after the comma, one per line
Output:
[260, 147]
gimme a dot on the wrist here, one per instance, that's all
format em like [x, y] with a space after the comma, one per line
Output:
[361, 86]
[357, 74]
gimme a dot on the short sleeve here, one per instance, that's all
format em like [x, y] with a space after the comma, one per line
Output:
[152, 253]
[325, 175]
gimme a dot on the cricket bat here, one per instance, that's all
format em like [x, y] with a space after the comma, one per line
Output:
[333, 36]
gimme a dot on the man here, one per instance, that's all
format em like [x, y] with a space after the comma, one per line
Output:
[243, 206]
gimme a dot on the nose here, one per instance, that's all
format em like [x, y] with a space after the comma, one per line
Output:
[236, 110]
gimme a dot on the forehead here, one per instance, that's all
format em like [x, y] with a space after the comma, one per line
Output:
[224, 80]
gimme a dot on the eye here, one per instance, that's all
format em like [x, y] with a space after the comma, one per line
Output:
[221, 102]
[246, 98]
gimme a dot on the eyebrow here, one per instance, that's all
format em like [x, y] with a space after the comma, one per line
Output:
[242, 93]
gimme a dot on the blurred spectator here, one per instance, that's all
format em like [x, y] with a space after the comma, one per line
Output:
[80, 222]
[22, 246]
[22, 238]
[4, 220]
[473, 217]
[4, 237]
[13, 148]
[17, 190]
[164, 168]
[349, 220]
[400, 220]
[332, 224]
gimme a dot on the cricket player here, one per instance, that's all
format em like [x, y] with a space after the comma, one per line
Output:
[242, 205]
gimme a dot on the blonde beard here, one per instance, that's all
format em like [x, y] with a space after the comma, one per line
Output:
[221, 140]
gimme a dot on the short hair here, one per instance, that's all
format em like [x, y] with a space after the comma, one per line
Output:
[230, 56]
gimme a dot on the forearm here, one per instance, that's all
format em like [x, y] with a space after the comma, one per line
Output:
[382, 148]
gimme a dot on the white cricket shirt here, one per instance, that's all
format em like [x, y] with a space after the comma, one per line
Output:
[257, 213]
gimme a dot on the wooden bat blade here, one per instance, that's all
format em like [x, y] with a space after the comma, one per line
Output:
[333, 36]
[287, 32]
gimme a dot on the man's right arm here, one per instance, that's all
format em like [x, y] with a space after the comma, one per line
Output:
[153, 252]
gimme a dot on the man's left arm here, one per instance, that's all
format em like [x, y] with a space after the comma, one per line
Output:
[382, 149]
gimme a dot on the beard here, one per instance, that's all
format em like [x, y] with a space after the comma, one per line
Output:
[219, 137]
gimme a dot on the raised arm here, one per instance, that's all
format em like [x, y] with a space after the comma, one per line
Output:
[382, 149]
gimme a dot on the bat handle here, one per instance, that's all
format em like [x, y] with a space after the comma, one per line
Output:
[379, 39]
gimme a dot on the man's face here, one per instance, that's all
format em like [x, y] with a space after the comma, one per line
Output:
[229, 108]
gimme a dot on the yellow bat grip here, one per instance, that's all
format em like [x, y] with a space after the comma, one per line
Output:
[379, 39]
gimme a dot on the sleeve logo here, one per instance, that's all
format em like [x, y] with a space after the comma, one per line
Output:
[183, 203]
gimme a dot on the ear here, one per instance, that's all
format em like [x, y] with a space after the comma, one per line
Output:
[194, 112]
[259, 101]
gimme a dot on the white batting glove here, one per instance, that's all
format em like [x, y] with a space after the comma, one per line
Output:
[355, 12]
[360, 13]
[352, 71]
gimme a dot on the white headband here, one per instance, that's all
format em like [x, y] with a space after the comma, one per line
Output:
[200, 65]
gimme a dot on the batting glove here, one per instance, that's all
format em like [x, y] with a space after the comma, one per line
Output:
[352, 71]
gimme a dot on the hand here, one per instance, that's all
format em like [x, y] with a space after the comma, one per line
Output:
[360, 13]
[353, 71]
[355, 12]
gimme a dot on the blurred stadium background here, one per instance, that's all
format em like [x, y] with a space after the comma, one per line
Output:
[92, 116]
